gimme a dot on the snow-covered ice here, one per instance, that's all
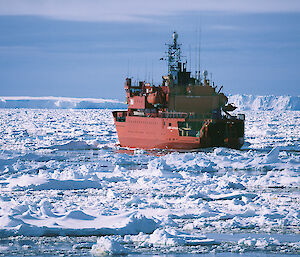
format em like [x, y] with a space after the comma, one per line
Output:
[65, 181]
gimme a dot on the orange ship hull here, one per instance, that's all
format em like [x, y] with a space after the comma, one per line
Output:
[163, 133]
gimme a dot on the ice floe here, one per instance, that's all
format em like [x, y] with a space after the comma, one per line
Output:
[168, 237]
[43, 219]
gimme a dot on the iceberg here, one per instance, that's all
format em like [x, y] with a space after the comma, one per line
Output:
[51, 102]
[267, 102]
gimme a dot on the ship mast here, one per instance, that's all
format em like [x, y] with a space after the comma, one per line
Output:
[174, 54]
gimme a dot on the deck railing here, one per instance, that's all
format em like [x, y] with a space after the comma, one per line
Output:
[121, 115]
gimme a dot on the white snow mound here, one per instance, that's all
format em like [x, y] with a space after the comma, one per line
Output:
[108, 246]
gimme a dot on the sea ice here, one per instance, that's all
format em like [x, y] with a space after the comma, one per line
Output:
[62, 173]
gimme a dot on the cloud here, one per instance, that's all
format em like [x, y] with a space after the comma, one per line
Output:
[137, 10]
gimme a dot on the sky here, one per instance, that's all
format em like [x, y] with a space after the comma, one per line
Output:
[87, 48]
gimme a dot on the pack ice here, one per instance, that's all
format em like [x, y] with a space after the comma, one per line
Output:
[63, 174]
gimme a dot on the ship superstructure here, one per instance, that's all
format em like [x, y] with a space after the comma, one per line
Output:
[184, 112]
